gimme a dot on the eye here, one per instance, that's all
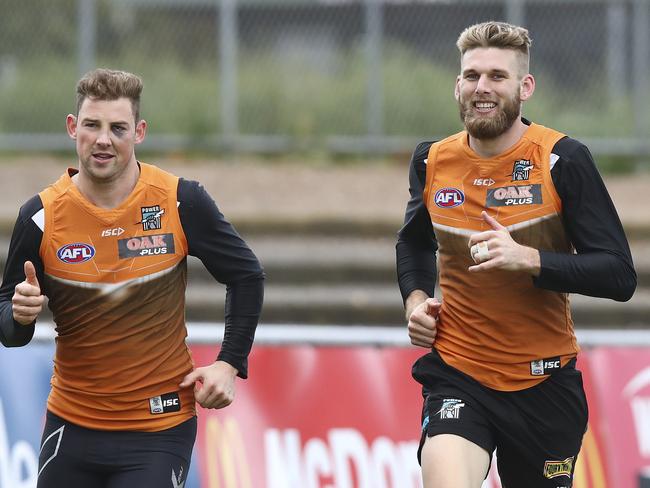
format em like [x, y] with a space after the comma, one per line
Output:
[471, 76]
[90, 124]
[118, 129]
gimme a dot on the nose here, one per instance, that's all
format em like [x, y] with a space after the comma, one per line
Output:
[103, 138]
[483, 84]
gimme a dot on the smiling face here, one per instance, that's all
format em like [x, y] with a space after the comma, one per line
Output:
[490, 89]
[106, 133]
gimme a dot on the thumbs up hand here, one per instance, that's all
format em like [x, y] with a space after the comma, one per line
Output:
[27, 301]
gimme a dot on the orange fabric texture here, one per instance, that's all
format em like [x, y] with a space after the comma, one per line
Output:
[494, 324]
[116, 281]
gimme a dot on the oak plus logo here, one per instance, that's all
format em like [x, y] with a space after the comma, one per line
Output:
[154, 245]
[449, 197]
[507, 196]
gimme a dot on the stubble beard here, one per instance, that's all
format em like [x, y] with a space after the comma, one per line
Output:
[490, 127]
[106, 175]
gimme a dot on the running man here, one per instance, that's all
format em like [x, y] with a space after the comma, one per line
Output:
[107, 244]
[517, 217]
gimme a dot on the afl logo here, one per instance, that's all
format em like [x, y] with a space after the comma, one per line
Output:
[76, 253]
[449, 197]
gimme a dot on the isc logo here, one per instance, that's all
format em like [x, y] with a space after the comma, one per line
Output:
[169, 402]
[449, 197]
[75, 253]
[545, 366]
[118, 231]
[483, 182]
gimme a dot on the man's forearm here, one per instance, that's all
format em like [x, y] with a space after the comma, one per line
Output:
[13, 334]
[415, 298]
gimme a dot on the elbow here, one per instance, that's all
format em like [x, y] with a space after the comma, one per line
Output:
[17, 335]
[626, 288]
[14, 343]
[258, 278]
[17, 341]
[256, 274]
[626, 292]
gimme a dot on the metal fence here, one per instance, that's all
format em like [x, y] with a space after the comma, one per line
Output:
[351, 76]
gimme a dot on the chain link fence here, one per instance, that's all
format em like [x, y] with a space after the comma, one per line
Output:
[339, 76]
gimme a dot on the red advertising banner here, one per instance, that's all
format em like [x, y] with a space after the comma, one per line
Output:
[348, 417]
[590, 469]
[316, 417]
[622, 392]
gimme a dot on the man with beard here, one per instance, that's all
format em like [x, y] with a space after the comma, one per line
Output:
[519, 217]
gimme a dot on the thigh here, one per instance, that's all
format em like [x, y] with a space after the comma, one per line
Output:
[155, 459]
[451, 461]
[453, 404]
[542, 442]
[62, 460]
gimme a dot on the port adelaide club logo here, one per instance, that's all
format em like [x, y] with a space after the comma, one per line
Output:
[521, 170]
[151, 217]
[449, 197]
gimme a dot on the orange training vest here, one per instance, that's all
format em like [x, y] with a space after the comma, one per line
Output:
[116, 284]
[496, 326]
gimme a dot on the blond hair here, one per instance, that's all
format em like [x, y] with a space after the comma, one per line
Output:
[496, 34]
[107, 84]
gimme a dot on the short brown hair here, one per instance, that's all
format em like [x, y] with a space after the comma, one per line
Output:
[496, 34]
[107, 84]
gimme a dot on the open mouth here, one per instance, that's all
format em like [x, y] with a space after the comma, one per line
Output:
[482, 106]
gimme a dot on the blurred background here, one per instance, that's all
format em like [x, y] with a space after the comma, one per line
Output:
[368, 77]
[299, 117]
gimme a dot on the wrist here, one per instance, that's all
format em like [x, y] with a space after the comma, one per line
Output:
[415, 298]
[533, 261]
[227, 366]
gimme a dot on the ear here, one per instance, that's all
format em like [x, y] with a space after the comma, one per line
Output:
[457, 89]
[140, 131]
[71, 126]
[526, 87]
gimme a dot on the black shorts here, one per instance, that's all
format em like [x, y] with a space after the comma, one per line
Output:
[75, 456]
[537, 432]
